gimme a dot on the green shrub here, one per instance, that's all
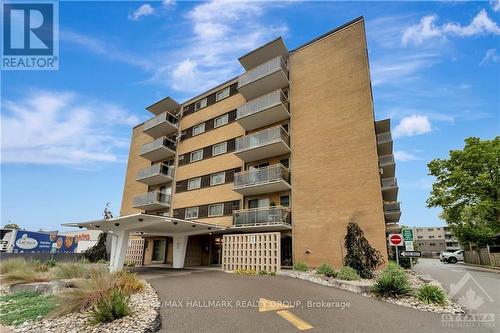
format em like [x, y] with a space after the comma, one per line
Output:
[12, 264]
[98, 252]
[51, 263]
[69, 271]
[392, 282]
[26, 274]
[360, 255]
[431, 294]
[326, 270]
[272, 273]
[300, 266]
[40, 266]
[263, 273]
[128, 282]
[348, 274]
[110, 307]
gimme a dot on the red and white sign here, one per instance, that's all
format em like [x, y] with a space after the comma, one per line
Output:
[395, 239]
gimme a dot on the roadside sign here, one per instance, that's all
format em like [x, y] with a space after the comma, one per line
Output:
[409, 246]
[395, 239]
[407, 234]
[411, 254]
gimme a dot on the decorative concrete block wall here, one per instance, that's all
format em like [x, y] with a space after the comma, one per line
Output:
[135, 252]
[259, 252]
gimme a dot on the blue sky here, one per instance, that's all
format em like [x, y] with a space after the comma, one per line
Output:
[435, 70]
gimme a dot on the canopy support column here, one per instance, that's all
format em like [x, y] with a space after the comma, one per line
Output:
[118, 250]
[179, 249]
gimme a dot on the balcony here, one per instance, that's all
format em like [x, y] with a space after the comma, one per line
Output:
[389, 189]
[164, 124]
[159, 173]
[263, 144]
[384, 144]
[152, 201]
[269, 76]
[274, 178]
[392, 212]
[159, 149]
[265, 110]
[265, 216]
[387, 166]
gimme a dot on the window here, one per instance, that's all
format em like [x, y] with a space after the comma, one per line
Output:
[258, 203]
[198, 129]
[200, 104]
[222, 94]
[285, 162]
[192, 213]
[219, 148]
[431, 236]
[194, 183]
[217, 178]
[420, 236]
[285, 200]
[216, 210]
[222, 120]
[196, 155]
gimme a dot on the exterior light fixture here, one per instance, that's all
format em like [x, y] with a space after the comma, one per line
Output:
[175, 222]
[209, 228]
[97, 226]
[140, 220]
[194, 226]
[308, 252]
[80, 227]
[117, 224]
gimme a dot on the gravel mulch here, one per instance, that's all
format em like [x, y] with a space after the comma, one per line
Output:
[144, 318]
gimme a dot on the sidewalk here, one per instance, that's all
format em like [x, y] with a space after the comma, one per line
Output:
[481, 267]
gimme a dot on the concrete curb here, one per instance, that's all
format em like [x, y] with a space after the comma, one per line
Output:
[357, 287]
[485, 268]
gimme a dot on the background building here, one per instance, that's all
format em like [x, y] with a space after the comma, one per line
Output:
[283, 157]
[433, 240]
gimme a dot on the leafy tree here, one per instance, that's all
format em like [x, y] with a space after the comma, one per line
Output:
[467, 189]
[98, 251]
[360, 254]
[11, 226]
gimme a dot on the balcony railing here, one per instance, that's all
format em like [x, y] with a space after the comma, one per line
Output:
[262, 103]
[155, 170]
[164, 117]
[262, 70]
[162, 142]
[152, 198]
[386, 159]
[384, 137]
[391, 206]
[388, 183]
[272, 173]
[262, 216]
[262, 138]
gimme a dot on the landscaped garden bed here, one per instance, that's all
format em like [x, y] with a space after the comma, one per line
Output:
[75, 297]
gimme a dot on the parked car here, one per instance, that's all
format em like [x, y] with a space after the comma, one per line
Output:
[452, 257]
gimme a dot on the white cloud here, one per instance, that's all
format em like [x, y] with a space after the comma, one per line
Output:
[427, 29]
[168, 3]
[490, 56]
[396, 67]
[143, 10]
[495, 5]
[54, 127]
[404, 156]
[412, 125]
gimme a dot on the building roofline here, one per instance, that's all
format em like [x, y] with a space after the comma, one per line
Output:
[209, 90]
[260, 47]
[334, 30]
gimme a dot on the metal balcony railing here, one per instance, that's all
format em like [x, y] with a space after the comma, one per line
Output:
[156, 169]
[262, 70]
[262, 216]
[386, 159]
[157, 144]
[384, 137]
[264, 175]
[391, 206]
[389, 183]
[262, 103]
[150, 198]
[262, 138]
[164, 117]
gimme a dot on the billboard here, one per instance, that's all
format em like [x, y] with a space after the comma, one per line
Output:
[29, 242]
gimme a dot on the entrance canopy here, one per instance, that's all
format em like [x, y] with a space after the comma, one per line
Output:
[149, 224]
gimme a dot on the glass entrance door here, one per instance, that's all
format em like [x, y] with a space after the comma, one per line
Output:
[159, 251]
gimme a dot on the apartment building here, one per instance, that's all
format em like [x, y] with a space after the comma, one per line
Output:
[278, 160]
[433, 240]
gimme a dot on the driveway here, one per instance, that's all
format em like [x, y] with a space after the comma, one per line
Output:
[474, 287]
[197, 300]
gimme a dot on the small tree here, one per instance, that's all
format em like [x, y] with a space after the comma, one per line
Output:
[11, 226]
[98, 251]
[360, 254]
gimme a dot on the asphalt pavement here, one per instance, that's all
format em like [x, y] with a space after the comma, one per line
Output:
[476, 288]
[200, 300]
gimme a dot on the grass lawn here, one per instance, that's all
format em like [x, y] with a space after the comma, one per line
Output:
[20, 307]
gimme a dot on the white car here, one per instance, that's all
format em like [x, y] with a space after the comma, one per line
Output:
[452, 257]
